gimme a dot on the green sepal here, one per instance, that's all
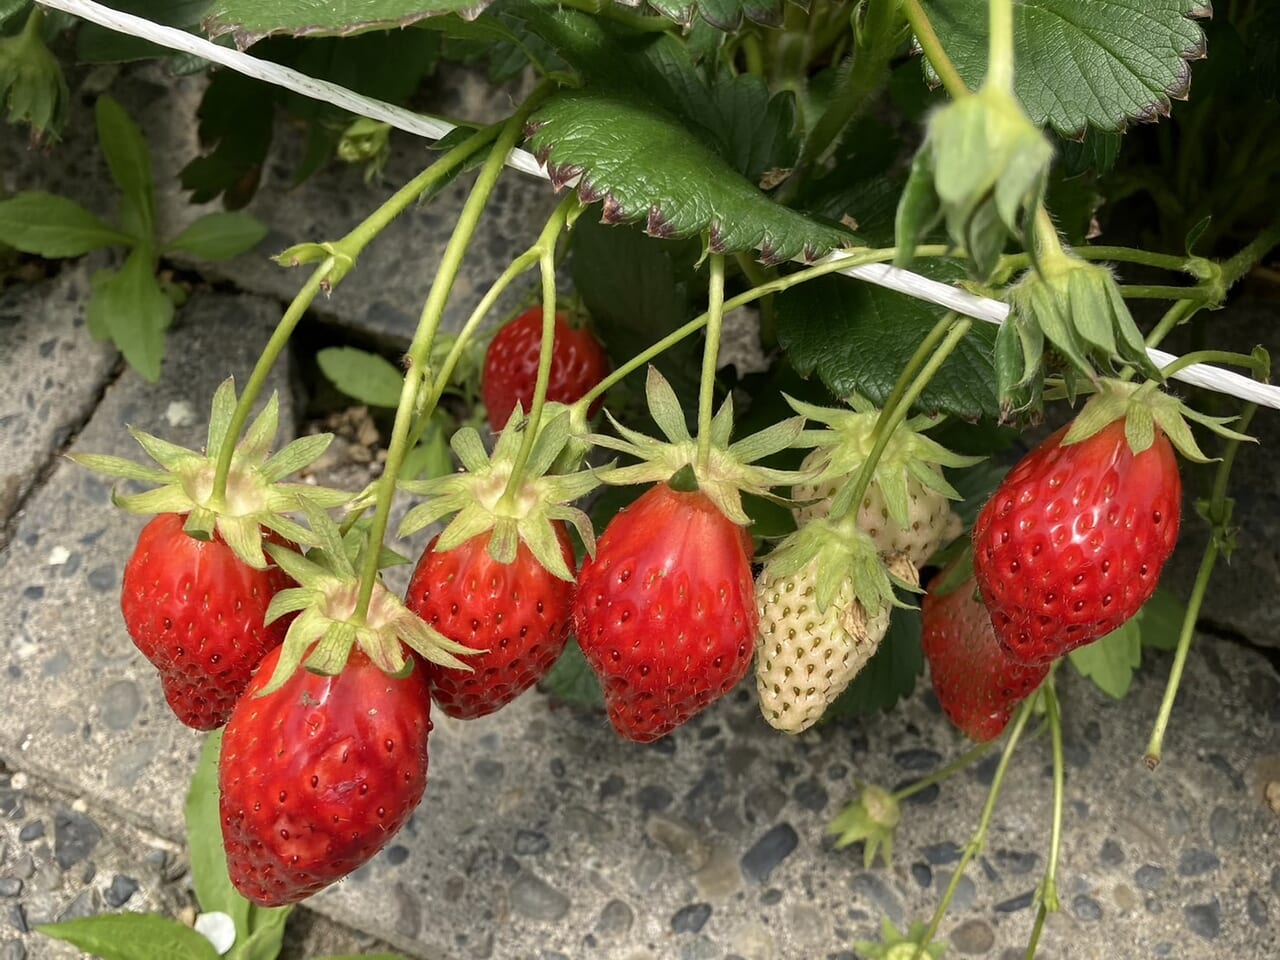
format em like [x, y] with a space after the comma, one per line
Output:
[294, 456]
[843, 554]
[221, 411]
[873, 818]
[289, 600]
[1118, 399]
[331, 653]
[118, 467]
[895, 945]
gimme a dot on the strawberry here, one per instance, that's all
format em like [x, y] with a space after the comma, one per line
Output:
[806, 656]
[665, 612]
[975, 679]
[1072, 543]
[318, 776]
[196, 611]
[578, 363]
[516, 613]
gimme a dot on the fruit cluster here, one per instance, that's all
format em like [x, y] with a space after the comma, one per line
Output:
[321, 766]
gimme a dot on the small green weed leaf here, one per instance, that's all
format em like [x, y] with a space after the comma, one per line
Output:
[52, 226]
[132, 936]
[130, 164]
[366, 376]
[214, 891]
[1101, 63]
[571, 679]
[858, 338]
[1160, 620]
[676, 186]
[251, 20]
[1110, 661]
[889, 676]
[723, 14]
[268, 934]
[130, 306]
[220, 236]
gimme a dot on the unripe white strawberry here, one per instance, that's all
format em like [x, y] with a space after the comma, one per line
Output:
[930, 520]
[807, 657]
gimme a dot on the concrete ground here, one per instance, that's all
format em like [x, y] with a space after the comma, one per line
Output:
[542, 835]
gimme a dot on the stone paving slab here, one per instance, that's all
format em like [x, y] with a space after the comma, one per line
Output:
[383, 297]
[42, 334]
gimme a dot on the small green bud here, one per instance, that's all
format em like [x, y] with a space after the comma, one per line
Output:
[33, 89]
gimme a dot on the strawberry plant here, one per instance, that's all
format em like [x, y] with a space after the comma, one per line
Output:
[904, 195]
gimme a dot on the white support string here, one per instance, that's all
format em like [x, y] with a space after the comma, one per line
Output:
[431, 128]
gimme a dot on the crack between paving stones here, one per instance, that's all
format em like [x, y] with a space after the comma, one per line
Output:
[1228, 634]
[46, 469]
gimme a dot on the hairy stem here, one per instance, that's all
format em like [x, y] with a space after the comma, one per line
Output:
[1219, 513]
[966, 759]
[419, 354]
[546, 247]
[1048, 892]
[976, 843]
[920, 369]
[710, 359]
[933, 49]
[1000, 45]
[345, 253]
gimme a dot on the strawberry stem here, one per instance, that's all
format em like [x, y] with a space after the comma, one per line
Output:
[933, 49]
[976, 843]
[325, 277]
[419, 353]
[920, 369]
[966, 759]
[776, 285]
[1255, 364]
[1000, 46]
[546, 248]
[1218, 512]
[1047, 893]
[710, 357]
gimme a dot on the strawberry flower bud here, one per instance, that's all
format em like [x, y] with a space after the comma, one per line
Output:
[982, 170]
[32, 87]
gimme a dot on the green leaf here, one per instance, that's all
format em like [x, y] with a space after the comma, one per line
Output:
[366, 376]
[236, 117]
[889, 676]
[251, 20]
[268, 934]
[132, 936]
[1110, 661]
[572, 680]
[1101, 63]
[656, 275]
[95, 44]
[1160, 620]
[52, 226]
[724, 14]
[683, 183]
[214, 891]
[130, 306]
[220, 236]
[130, 164]
[858, 338]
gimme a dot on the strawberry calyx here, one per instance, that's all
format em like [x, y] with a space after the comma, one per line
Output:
[873, 817]
[842, 554]
[847, 441]
[326, 626]
[730, 469]
[895, 945]
[255, 496]
[1144, 408]
[479, 500]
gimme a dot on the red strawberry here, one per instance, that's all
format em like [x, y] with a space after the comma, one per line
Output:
[518, 612]
[976, 681]
[195, 610]
[665, 613]
[316, 777]
[578, 363]
[1072, 543]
